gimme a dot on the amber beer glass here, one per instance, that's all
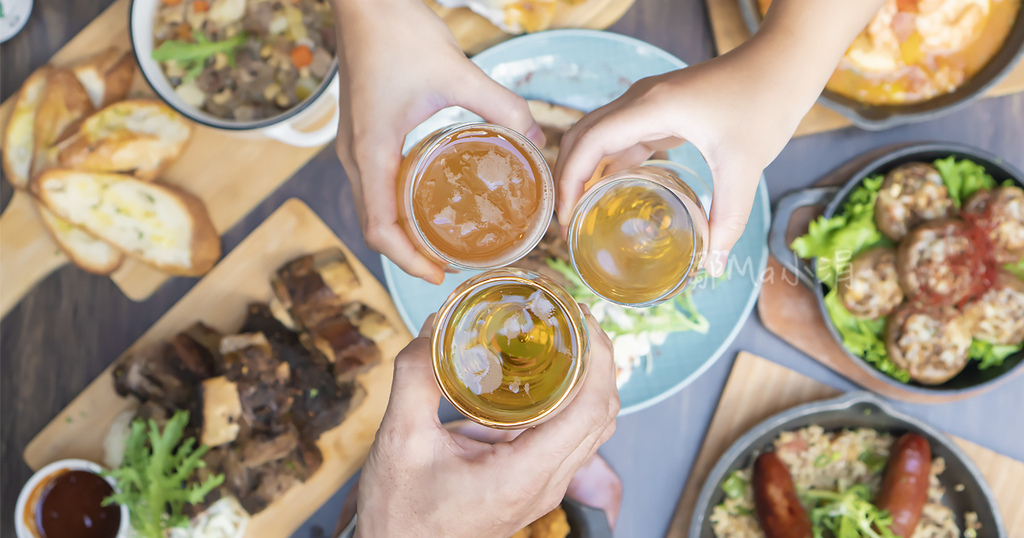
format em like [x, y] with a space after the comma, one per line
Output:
[639, 236]
[475, 196]
[509, 348]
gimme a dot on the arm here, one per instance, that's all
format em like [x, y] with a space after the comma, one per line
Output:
[739, 110]
[398, 65]
[422, 480]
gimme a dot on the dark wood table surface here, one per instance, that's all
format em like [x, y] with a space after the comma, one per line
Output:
[72, 325]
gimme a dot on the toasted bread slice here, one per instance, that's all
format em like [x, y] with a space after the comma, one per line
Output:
[84, 250]
[158, 224]
[106, 76]
[554, 121]
[19, 139]
[64, 103]
[141, 137]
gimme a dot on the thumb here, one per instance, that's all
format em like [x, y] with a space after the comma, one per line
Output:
[500, 105]
[730, 209]
[415, 395]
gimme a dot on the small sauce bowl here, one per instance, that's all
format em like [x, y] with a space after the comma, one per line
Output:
[31, 497]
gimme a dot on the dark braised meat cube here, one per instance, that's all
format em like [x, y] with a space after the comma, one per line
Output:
[198, 349]
[314, 287]
[156, 374]
[265, 448]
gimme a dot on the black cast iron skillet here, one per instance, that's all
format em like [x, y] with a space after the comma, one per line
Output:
[855, 410]
[878, 117]
[971, 379]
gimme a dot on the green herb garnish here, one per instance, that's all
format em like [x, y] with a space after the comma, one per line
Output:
[874, 461]
[847, 515]
[734, 487]
[313, 393]
[154, 478]
[192, 56]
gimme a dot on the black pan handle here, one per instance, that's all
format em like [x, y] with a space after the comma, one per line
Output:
[780, 224]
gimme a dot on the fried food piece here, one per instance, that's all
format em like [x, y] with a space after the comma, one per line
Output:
[552, 525]
[931, 345]
[911, 194]
[871, 289]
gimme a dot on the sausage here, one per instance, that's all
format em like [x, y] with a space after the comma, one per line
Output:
[778, 508]
[904, 489]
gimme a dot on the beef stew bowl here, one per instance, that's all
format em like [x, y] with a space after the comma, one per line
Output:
[258, 68]
[922, 320]
[953, 64]
[842, 445]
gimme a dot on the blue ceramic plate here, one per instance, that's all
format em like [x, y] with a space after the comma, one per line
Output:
[586, 69]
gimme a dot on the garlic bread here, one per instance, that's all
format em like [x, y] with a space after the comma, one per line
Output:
[84, 250]
[64, 103]
[106, 76]
[140, 137]
[158, 224]
[19, 139]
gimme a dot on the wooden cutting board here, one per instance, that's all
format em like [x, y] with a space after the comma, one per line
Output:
[220, 300]
[231, 174]
[758, 388]
[729, 31]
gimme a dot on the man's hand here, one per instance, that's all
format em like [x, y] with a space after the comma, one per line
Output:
[422, 480]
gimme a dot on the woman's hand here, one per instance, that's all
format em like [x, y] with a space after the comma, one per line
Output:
[739, 110]
[422, 480]
[398, 65]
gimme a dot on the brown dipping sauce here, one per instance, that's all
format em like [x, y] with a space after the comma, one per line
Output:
[70, 506]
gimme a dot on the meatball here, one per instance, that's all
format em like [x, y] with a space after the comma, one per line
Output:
[871, 289]
[936, 263]
[998, 315]
[911, 194]
[930, 344]
[1001, 212]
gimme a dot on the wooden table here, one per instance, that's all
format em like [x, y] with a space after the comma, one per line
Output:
[71, 326]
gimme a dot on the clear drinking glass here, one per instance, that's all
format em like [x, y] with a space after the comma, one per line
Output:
[475, 196]
[639, 236]
[509, 348]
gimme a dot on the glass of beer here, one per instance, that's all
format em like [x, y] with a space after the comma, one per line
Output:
[475, 196]
[639, 236]
[509, 348]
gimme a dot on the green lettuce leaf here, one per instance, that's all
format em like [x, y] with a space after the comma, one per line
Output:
[990, 355]
[863, 337]
[963, 178]
[837, 240]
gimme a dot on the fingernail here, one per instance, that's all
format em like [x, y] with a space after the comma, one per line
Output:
[716, 262]
[435, 279]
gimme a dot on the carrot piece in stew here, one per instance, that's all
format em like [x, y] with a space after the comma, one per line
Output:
[201, 6]
[172, 2]
[302, 56]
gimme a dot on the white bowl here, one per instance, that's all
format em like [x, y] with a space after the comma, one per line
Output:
[22, 529]
[284, 127]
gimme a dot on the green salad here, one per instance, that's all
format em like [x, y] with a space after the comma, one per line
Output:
[836, 241]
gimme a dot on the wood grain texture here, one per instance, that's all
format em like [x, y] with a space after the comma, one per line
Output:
[220, 300]
[758, 388]
[729, 30]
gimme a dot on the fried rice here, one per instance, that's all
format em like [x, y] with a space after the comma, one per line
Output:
[834, 461]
